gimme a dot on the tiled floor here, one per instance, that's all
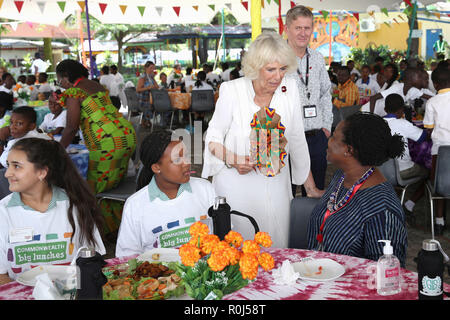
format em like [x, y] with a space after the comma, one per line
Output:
[416, 234]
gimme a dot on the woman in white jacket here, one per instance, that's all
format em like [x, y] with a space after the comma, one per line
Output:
[256, 127]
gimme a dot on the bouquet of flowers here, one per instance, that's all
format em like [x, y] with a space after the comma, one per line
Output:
[211, 268]
[23, 93]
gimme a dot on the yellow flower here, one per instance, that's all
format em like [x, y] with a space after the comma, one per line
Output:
[189, 254]
[263, 239]
[248, 265]
[208, 242]
[198, 229]
[234, 238]
[251, 247]
[266, 261]
[217, 261]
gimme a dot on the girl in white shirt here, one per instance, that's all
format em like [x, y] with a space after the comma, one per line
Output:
[168, 202]
[200, 84]
[51, 212]
[54, 122]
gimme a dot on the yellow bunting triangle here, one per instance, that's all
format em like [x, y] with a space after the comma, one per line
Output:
[437, 14]
[82, 5]
[311, 9]
[262, 4]
[123, 8]
[195, 7]
[1, 3]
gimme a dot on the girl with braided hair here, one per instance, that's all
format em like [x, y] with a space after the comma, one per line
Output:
[52, 201]
[168, 200]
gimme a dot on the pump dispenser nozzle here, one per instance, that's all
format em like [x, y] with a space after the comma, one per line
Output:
[387, 249]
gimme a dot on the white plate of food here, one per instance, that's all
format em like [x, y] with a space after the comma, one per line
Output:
[318, 269]
[28, 278]
[160, 255]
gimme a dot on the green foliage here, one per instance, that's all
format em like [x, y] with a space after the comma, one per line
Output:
[369, 54]
[4, 63]
[27, 61]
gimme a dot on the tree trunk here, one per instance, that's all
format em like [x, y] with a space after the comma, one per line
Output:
[203, 50]
[48, 52]
[194, 53]
[119, 38]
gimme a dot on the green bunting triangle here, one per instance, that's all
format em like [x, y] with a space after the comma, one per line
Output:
[277, 2]
[324, 14]
[385, 11]
[62, 5]
[268, 1]
[212, 6]
[141, 10]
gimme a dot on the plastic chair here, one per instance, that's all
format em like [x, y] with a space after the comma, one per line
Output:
[337, 117]
[301, 209]
[391, 172]
[201, 101]
[133, 103]
[440, 188]
[348, 111]
[120, 193]
[161, 104]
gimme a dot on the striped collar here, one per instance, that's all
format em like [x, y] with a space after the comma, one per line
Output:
[390, 115]
[58, 194]
[154, 192]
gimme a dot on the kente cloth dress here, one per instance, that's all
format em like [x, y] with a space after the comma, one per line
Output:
[269, 136]
[110, 139]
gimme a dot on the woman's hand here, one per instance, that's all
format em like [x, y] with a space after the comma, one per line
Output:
[242, 164]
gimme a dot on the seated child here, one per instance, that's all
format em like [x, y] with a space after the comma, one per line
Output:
[367, 86]
[348, 93]
[437, 120]
[409, 90]
[394, 107]
[163, 84]
[54, 122]
[23, 125]
[6, 105]
[52, 201]
[168, 200]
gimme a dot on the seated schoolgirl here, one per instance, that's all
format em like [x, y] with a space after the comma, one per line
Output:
[55, 121]
[168, 202]
[51, 205]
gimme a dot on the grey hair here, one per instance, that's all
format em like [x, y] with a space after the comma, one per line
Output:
[298, 11]
[268, 47]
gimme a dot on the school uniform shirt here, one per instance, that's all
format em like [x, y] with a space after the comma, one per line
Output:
[226, 75]
[110, 83]
[408, 131]
[50, 123]
[203, 86]
[367, 89]
[437, 117]
[151, 220]
[412, 94]
[49, 240]
[30, 134]
[212, 76]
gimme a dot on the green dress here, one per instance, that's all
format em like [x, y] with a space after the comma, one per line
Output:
[111, 140]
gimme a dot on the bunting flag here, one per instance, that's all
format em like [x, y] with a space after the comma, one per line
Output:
[437, 14]
[212, 6]
[195, 8]
[177, 10]
[141, 10]
[324, 13]
[385, 11]
[310, 9]
[123, 8]
[262, 4]
[159, 10]
[62, 5]
[1, 3]
[82, 5]
[293, 4]
[371, 13]
[228, 6]
[268, 1]
[30, 24]
[277, 2]
[245, 4]
[12, 24]
[356, 15]
[41, 6]
[102, 7]
[408, 2]
[19, 5]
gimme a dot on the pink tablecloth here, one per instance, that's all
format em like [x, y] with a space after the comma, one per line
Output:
[358, 282]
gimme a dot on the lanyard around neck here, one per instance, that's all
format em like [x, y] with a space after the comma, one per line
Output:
[306, 79]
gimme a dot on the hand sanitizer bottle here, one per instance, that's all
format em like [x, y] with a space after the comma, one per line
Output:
[388, 271]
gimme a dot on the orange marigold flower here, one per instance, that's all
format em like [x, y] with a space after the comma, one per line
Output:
[189, 254]
[266, 261]
[248, 265]
[251, 247]
[198, 229]
[263, 239]
[234, 238]
[196, 241]
[233, 255]
[222, 245]
[208, 242]
[217, 261]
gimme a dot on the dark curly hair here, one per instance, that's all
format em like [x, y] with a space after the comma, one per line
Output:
[71, 69]
[371, 139]
[152, 149]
